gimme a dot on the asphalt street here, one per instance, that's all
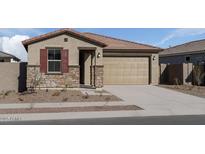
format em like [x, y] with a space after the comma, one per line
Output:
[157, 120]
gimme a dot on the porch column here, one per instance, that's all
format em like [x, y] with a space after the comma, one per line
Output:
[92, 72]
[98, 68]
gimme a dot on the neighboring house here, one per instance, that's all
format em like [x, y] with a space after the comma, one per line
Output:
[191, 52]
[67, 58]
[13, 73]
[5, 57]
[179, 62]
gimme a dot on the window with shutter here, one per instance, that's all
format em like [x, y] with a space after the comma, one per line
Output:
[43, 61]
[54, 60]
[65, 58]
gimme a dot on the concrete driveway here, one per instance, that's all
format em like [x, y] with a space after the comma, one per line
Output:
[158, 101]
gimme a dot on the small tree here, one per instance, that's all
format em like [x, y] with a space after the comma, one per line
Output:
[177, 82]
[36, 80]
[198, 75]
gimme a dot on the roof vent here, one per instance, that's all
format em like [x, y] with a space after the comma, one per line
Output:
[65, 39]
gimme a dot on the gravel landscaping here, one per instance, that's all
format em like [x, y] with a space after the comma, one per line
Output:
[41, 96]
[187, 89]
[70, 109]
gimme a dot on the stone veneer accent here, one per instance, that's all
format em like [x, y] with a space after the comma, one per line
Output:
[98, 76]
[71, 79]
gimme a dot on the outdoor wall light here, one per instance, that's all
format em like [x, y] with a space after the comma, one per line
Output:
[154, 58]
[98, 55]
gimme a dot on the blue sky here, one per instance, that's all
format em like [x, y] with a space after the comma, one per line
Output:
[10, 39]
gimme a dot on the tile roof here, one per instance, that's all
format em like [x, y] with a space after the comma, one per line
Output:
[59, 32]
[115, 43]
[189, 47]
[7, 55]
[104, 41]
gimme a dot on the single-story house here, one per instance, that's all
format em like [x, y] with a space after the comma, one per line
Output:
[67, 58]
[181, 60]
[6, 57]
[191, 52]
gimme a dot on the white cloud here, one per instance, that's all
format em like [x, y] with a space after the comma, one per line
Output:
[14, 46]
[20, 31]
[182, 32]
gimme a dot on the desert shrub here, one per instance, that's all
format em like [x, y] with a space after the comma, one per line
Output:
[65, 99]
[86, 96]
[107, 99]
[56, 93]
[177, 82]
[189, 87]
[198, 74]
[6, 93]
[20, 99]
[64, 90]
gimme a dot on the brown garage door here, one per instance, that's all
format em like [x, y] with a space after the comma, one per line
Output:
[126, 70]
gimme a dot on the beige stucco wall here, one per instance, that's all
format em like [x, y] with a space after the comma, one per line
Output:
[72, 45]
[154, 64]
[9, 76]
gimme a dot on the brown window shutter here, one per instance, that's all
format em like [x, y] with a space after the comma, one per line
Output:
[64, 61]
[43, 60]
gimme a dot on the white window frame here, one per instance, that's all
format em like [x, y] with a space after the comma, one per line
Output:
[53, 72]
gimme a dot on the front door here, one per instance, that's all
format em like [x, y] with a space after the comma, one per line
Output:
[85, 61]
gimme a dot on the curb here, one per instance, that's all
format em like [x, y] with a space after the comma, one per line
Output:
[64, 115]
[56, 105]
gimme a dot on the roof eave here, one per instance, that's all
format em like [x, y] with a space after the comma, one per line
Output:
[150, 46]
[54, 34]
[182, 53]
[134, 50]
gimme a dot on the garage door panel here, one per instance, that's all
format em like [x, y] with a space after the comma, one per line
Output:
[126, 70]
